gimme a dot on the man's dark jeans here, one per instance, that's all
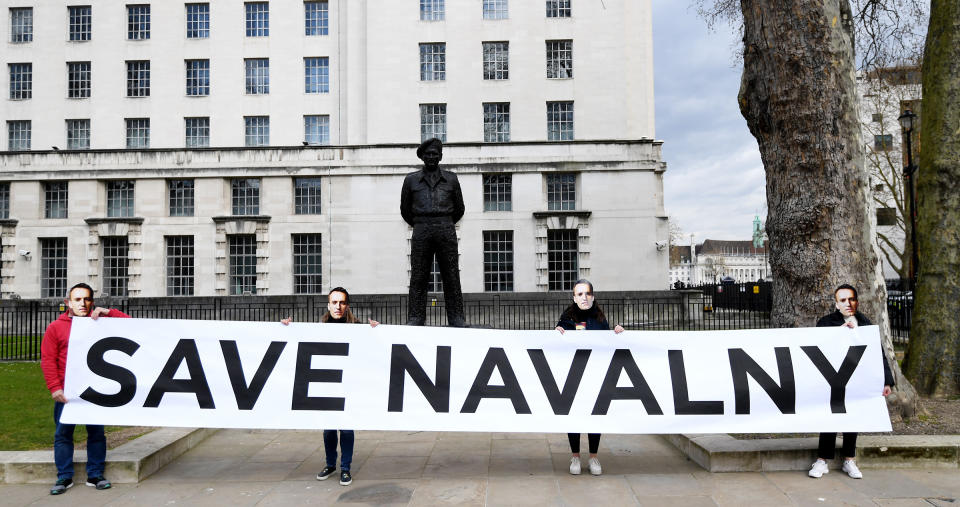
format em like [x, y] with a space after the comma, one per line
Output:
[63, 447]
[346, 448]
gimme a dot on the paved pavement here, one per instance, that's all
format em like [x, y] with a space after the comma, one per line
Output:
[267, 468]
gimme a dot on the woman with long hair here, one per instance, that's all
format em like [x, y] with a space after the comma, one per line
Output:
[584, 314]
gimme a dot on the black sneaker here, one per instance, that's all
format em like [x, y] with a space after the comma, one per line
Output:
[98, 482]
[345, 478]
[326, 473]
[61, 486]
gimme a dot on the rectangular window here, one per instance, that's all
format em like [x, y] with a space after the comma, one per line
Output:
[316, 72]
[883, 142]
[243, 264]
[138, 22]
[55, 199]
[561, 191]
[78, 134]
[431, 10]
[198, 23]
[886, 216]
[494, 9]
[21, 80]
[496, 122]
[138, 133]
[180, 262]
[558, 8]
[245, 196]
[258, 19]
[497, 261]
[497, 192]
[496, 60]
[316, 18]
[433, 57]
[198, 77]
[306, 196]
[559, 59]
[78, 80]
[256, 130]
[80, 17]
[4, 200]
[257, 72]
[120, 198]
[435, 282]
[116, 263]
[138, 78]
[877, 117]
[197, 132]
[53, 267]
[562, 259]
[306, 264]
[180, 195]
[433, 121]
[560, 121]
[19, 135]
[21, 24]
[316, 129]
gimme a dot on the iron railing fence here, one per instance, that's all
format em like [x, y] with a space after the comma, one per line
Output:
[730, 306]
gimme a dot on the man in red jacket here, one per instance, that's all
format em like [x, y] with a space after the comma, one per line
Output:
[53, 362]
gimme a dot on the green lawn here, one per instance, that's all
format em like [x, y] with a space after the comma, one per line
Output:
[27, 420]
[20, 347]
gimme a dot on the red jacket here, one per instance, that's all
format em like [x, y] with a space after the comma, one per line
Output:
[53, 349]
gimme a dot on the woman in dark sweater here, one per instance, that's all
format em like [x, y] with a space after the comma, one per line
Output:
[584, 314]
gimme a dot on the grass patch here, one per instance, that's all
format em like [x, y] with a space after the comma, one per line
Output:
[20, 347]
[27, 422]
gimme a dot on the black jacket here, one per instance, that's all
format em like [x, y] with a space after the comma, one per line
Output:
[836, 319]
[590, 318]
[421, 199]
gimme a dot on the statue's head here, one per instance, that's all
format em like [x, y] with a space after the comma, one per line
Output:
[431, 152]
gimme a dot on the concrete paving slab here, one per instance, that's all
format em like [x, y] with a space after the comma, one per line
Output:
[519, 448]
[155, 493]
[312, 492]
[511, 467]
[234, 494]
[251, 471]
[459, 465]
[646, 485]
[678, 501]
[586, 489]
[393, 467]
[741, 488]
[525, 491]
[379, 493]
[895, 484]
[450, 492]
[405, 448]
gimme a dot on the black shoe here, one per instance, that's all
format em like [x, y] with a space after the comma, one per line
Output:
[345, 478]
[326, 473]
[61, 486]
[98, 482]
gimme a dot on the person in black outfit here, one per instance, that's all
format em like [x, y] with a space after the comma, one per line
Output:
[846, 314]
[432, 203]
[584, 314]
[338, 312]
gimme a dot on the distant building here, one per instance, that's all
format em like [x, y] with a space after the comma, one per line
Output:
[714, 259]
[884, 95]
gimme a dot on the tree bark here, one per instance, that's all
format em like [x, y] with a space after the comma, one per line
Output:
[933, 356]
[798, 95]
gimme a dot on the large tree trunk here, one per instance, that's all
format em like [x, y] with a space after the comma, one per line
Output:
[798, 95]
[933, 357]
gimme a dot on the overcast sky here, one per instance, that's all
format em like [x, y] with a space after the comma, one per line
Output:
[714, 184]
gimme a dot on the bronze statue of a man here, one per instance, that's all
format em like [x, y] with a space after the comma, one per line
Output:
[431, 202]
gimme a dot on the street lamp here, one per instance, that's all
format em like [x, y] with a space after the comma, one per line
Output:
[907, 121]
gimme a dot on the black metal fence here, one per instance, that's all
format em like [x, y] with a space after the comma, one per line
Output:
[710, 307]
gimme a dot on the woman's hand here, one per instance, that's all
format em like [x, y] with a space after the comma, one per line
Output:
[618, 329]
[560, 329]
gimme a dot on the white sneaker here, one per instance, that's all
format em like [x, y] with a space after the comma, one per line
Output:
[850, 467]
[819, 468]
[575, 466]
[595, 466]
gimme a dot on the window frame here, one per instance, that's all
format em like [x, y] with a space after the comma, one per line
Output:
[256, 17]
[181, 197]
[138, 78]
[438, 129]
[561, 191]
[318, 134]
[56, 199]
[121, 198]
[197, 77]
[140, 128]
[21, 25]
[498, 192]
[563, 264]
[19, 135]
[316, 74]
[53, 268]
[496, 60]
[115, 261]
[256, 73]
[21, 80]
[308, 196]
[78, 80]
[559, 58]
[320, 24]
[433, 61]
[242, 275]
[496, 122]
[256, 131]
[78, 133]
[138, 22]
[79, 23]
[245, 196]
[560, 120]
[307, 253]
[498, 261]
[197, 24]
[180, 265]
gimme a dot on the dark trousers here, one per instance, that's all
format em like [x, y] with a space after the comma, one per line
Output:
[828, 445]
[63, 447]
[593, 441]
[346, 448]
[429, 239]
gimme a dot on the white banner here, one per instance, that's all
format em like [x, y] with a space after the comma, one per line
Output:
[313, 376]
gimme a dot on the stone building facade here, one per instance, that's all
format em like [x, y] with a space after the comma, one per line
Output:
[228, 148]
